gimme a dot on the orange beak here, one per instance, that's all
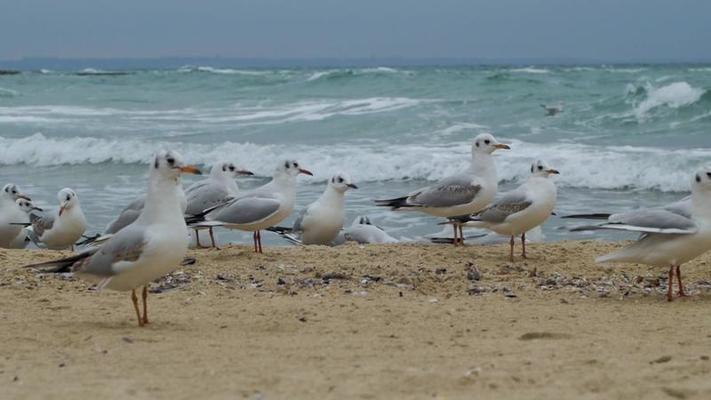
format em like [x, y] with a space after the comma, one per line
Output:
[190, 169]
[502, 146]
[245, 172]
[305, 172]
[23, 196]
[553, 171]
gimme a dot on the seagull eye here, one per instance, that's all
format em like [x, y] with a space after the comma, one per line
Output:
[540, 168]
[296, 165]
[487, 141]
[232, 167]
[170, 160]
[340, 180]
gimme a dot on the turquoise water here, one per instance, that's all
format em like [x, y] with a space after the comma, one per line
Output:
[628, 136]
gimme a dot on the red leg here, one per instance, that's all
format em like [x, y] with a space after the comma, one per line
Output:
[212, 238]
[254, 239]
[461, 234]
[259, 240]
[678, 278]
[511, 257]
[145, 305]
[134, 299]
[523, 245]
[456, 239]
[670, 283]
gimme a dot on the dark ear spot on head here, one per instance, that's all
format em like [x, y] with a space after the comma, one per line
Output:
[476, 143]
[286, 165]
[224, 168]
[155, 163]
[531, 168]
[698, 178]
[708, 174]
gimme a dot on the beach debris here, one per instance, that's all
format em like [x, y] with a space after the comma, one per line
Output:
[473, 273]
[544, 335]
[661, 360]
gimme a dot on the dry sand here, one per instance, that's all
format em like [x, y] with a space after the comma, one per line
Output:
[390, 321]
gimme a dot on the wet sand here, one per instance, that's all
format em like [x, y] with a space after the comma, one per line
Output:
[376, 322]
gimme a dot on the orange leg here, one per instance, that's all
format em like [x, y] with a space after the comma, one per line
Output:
[259, 240]
[461, 234]
[678, 278]
[523, 245]
[670, 283]
[456, 239]
[212, 238]
[134, 298]
[145, 305]
[254, 238]
[511, 257]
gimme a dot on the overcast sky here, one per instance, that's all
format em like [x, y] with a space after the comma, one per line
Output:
[622, 30]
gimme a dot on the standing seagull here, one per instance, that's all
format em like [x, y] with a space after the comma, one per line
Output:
[11, 214]
[669, 238]
[463, 194]
[522, 209]
[23, 238]
[258, 208]
[62, 228]
[320, 222]
[149, 248]
[219, 187]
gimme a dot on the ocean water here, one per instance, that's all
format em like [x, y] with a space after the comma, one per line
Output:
[629, 136]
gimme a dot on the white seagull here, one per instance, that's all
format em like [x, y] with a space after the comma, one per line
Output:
[552, 110]
[258, 208]
[522, 209]
[219, 187]
[11, 214]
[147, 249]
[463, 194]
[362, 231]
[669, 236]
[59, 229]
[23, 238]
[321, 221]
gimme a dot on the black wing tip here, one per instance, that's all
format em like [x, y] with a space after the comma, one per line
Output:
[587, 216]
[280, 229]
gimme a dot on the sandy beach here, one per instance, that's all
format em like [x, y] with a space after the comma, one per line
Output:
[376, 322]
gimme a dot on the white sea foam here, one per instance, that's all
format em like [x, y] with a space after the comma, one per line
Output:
[8, 92]
[354, 72]
[231, 71]
[673, 95]
[580, 165]
[531, 70]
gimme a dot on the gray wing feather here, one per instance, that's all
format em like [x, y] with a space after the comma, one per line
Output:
[299, 220]
[41, 222]
[510, 204]
[126, 218]
[126, 245]
[246, 210]
[448, 192]
[204, 196]
[654, 220]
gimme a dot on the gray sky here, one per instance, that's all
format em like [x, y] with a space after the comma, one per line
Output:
[620, 30]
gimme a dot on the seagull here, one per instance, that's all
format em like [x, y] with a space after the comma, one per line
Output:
[147, 249]
[363, 231]
[669, 236]
[258, 208]
[23, 238]
[520, 210]
[10, 214]
[219, 187]
[322, 220]
[463, 194]
[552, 110]
[62, 228]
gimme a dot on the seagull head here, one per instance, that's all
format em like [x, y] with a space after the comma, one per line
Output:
[702, 180]
[27, 206]
[67, 200]
[487, 143]
[229, 169]
[541, 168]
[342, 182]
[170, 164]
[291, 168]
[10, 191]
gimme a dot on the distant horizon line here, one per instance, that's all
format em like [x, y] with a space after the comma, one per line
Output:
[39, 62]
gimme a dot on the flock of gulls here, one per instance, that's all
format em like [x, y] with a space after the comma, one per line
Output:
[150, 237]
